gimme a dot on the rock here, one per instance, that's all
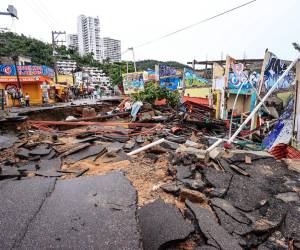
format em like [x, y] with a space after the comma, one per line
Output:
[213, 154]
[170, 145]
[177, 139]
[211, 229]
[200, 154]
[161, 223]
[192, 195]
[264, 226]
[183, 172]
[275, 241]
[129, 144]
[230, 210]
[172, 187]
[139, 139]
[288, 197]
[194, 184]
[215, 192]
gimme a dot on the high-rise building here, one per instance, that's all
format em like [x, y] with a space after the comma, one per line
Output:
[66, 67]
[89, 36]
[72, 41]
[112, 49]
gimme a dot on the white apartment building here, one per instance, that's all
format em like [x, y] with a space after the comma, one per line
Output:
[66, 67]
[89, 36]
[112, 49]
[72, 41]
[95, 75]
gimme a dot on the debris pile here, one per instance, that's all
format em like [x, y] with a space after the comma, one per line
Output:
[188, 197]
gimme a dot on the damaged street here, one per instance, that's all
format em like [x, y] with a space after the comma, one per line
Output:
[177, 127]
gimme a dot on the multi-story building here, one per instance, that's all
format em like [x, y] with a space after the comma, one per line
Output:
[89, 36]
[72, 41]
[66, 67]
[112, 49]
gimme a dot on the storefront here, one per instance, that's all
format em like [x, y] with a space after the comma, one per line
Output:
[31, 80]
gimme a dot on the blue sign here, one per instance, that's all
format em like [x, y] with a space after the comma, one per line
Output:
[171, 83]
[26, 70]
[165, 70]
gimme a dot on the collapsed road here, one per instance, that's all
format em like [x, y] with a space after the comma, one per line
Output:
[78, 185]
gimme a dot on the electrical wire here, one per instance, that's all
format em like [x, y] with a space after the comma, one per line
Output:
[192, 25]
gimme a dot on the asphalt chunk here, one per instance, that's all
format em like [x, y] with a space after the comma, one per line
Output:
[161, 223]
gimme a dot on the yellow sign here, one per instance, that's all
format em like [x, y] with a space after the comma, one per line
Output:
[65, 79]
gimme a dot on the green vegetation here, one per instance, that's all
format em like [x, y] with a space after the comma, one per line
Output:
[154, 92]
[41, 54]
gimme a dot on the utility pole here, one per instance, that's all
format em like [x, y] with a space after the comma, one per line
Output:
[56, 39]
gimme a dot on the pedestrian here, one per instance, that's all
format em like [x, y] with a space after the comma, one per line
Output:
[27, 100]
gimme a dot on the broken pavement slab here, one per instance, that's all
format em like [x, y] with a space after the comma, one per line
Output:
[42, 149]
[97, 212]
[84, 153]
[211, 229]
[230, 210]
[20, 202]
[49, 168]
[7, 141]
[162, 223]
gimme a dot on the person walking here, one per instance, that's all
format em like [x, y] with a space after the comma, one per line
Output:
[27, 100]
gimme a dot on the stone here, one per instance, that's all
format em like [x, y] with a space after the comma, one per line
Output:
[200, 154]
[194, 184]
[288, 197]
[170, 145]
[129, 144]
[215, 192]
[211, 229]
[192, 195]
[162, 223]
[172, 187]
[183, 172]
[9, 172]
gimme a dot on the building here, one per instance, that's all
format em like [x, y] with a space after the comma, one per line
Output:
[112, 49]
[66, 67]
[72, 41]
[31, 78]
[21, 60]
[89, 36]
[95, 76]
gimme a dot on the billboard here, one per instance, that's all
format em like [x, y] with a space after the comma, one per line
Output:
[149, 75]
[166, 71]
[26, 70]
[133, 82]
[191, 78]
[273, 70]
[240, 77]
[171, 83]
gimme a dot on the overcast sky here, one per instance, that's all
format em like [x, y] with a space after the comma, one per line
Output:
[248, 31]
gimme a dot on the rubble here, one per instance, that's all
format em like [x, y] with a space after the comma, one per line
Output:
[186, 193]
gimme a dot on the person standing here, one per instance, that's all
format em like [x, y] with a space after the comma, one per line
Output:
[27, 100]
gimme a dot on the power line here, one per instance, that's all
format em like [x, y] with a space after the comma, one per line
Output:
[194, 24]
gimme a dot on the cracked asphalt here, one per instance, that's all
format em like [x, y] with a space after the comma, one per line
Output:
[97, 212]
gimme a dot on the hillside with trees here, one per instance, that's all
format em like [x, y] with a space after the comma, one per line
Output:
[41, 53]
